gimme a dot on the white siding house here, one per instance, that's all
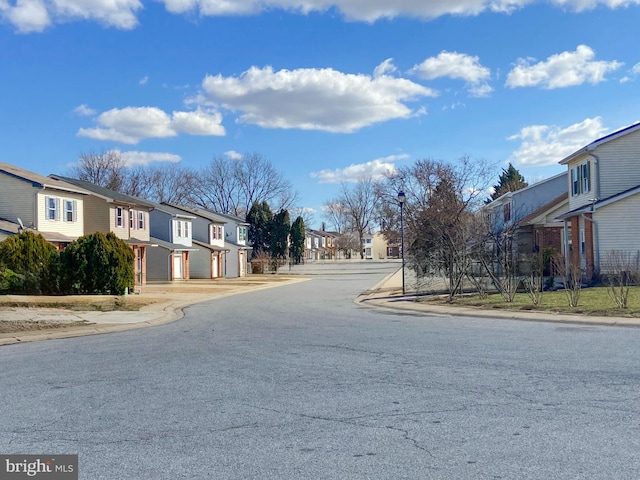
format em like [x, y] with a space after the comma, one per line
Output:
[125, 216]
[169, 257]
[53, 208]
[225, 237]
[604, 197]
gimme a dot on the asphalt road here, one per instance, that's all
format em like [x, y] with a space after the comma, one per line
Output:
[299, 382]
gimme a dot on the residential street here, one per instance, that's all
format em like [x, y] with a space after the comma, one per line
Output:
[300, 382]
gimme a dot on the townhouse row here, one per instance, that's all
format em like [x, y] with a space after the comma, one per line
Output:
[585, 213]
[170, 242]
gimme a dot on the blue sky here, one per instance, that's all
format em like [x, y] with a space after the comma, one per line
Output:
[328, 90]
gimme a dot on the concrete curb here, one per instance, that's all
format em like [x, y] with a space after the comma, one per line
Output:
[171, 312]
[379, 297]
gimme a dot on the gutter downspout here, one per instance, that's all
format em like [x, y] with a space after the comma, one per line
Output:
[596, 249]
[566, 245]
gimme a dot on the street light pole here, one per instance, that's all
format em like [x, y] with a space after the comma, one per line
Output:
[401, 199]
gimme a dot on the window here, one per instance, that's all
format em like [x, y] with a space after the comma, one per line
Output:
[70, 210]
[581, 179]
[53, 208]
[586, 177]
[186, 229]
[220, 233]
[119, 217]
[132, 219]
[583, 245]
[242, 234]
[141, 220]
[179, 227]
[506, 212]
[216, 232]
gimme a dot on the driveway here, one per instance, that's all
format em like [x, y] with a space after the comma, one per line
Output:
[299, 382]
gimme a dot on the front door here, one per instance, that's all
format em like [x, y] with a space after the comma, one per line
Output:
[214, 265]
[177, 266]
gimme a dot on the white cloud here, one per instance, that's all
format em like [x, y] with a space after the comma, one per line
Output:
[372, 10]
[375, 169]
[134, 158]
[633, 73]
[36, 15]
[132, 124]
[26, 15]
[452, 65]
[233, 155]
[384, 68]
[144, 80]
[312, 99]
[561, 70]
[84, 110]
[547, 145]
[458, 66]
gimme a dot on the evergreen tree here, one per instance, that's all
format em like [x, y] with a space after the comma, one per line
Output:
[34, 260]
[297, 241]
[259, 219]
[510, 180]
[279, 234]
[97, 264]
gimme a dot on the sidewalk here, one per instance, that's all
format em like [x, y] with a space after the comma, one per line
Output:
[164, 303]
[388, 294]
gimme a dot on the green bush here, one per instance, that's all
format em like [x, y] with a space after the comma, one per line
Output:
[97, 263]
[29, 264]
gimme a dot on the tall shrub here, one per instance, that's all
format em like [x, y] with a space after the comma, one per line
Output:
[34, 260]
[97, 263]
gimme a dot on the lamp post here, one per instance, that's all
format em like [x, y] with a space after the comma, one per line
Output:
[401, 199]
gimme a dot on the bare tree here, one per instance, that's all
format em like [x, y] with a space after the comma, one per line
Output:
[105, 169]
[440, 200]
[620, 271]
[336, 215]
[231, 186]
[306, 214]
[170, 184]
[571, 275]
[360, 204]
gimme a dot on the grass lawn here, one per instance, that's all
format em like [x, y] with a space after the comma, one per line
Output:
[593, 301]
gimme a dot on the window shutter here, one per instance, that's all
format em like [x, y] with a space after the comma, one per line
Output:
[57, 209]
[75, 210]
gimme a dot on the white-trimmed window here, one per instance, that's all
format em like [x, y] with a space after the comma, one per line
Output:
[53, 208]
[220, 233]
[581, 179]
[141, 220]
[242, 234]
[179, 228]
[119, 217]
[70, 210]
[132, 219]
[186, 229]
